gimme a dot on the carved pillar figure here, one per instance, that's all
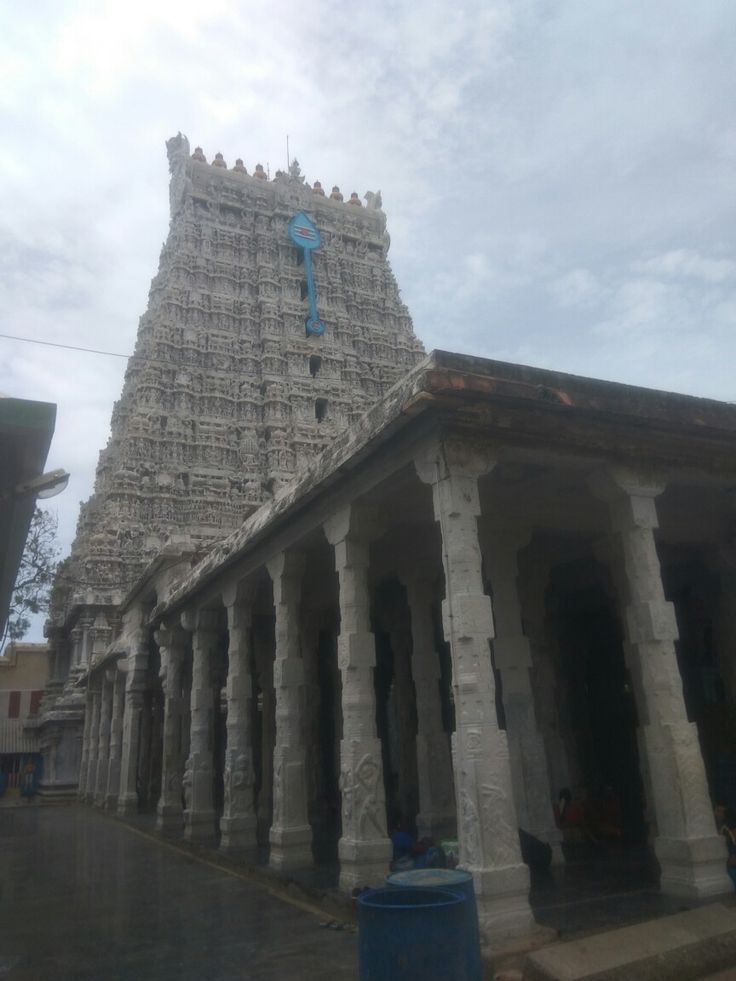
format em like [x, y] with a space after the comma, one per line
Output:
[238, 823]
[199, 813]
[84, 764]
[364, 848]
[172, 643]
[116, 740]
[135, 685]
[436, 814]
[529, 774]
[690, 853]
[94, 745]
[291, 834]
[103, 753]
[487, 822]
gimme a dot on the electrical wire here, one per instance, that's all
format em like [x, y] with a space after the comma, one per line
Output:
[66, 347]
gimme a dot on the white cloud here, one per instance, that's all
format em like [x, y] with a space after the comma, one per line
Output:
[688, 264]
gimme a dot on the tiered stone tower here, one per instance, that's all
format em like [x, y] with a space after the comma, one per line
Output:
[226, 397]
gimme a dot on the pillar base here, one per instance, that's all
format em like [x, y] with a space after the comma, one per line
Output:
[111, 803]
[502, 896]
[99, 800]
[169, 818]
[363, 863]
[238, 834]
[199, 826]
[693, 868]
[127, 805]
[291, 848]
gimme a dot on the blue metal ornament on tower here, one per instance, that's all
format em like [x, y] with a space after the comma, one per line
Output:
[305, 235]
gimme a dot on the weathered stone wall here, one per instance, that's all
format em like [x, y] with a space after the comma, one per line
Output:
[219, 405]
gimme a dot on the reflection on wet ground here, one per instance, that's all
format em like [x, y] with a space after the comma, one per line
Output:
[84, 896]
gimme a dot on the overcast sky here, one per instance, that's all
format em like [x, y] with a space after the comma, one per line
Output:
[559, 178]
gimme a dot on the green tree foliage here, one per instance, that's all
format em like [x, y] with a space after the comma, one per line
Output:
[35, 576]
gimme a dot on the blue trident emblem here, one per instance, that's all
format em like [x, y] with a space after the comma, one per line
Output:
[304, 234]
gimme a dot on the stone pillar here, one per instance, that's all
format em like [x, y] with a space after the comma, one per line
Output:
[690, 852]
[310, 630]
[436, 815]
[264, 666]
[512, 653]
[94, 747]
[364, 848]
[116, 740]
[487, 821]
[172, 643]
[135, 685]
[238, 824]
[103, 753]
[87, 639]
[403, 692]
[199, 813]
[550, 695]
[291, 834]
[76, 635]
[84, 764]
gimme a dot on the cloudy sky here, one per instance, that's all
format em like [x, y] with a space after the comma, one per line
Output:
[559, 177]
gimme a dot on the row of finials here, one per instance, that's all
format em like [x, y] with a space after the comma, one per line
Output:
[260, 173]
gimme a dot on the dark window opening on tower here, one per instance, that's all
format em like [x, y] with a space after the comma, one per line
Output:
[320, 410]
[315, 363]
[304, 289]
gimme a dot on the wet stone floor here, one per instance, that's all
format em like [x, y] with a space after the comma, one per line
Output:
[84, 896]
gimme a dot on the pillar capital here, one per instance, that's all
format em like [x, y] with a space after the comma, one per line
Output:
[356, 521]
[454, 457]
[237, 592]
[630, 493]
[288, 564]
[200, 621]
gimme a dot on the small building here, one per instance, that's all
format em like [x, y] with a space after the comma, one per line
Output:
[24, 672]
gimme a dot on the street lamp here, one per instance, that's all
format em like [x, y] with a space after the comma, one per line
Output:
[46, 485]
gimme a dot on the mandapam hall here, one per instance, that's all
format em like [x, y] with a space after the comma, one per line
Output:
[498, 582]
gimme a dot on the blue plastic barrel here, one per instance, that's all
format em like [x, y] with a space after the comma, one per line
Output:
[461, 883]
[411, 935]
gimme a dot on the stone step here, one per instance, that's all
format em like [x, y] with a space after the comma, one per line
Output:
[682, 947]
